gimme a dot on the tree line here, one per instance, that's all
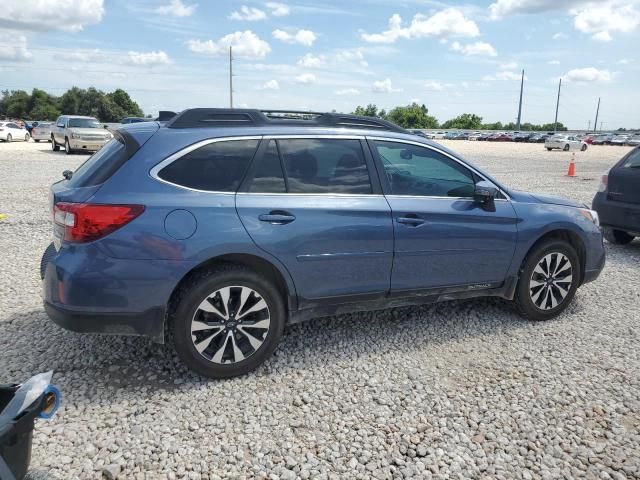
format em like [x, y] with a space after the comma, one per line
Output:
[40, 105]
[417, 116]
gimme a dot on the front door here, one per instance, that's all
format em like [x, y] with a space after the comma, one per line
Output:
[313, 204]
[443, 237]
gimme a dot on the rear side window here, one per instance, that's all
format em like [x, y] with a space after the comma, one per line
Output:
[101, 165]
[216, 167]
[633, 160]
[268, 176]
[325, 166]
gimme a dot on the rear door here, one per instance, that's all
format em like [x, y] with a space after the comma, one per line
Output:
[315, 203]
[624, 179]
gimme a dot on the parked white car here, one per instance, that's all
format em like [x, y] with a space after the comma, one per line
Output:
[10, 132]
[564, 142]
[42, 131]
[438, 135]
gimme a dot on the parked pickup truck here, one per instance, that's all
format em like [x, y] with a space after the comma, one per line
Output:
[76, 133]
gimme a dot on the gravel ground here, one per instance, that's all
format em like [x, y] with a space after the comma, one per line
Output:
[456, 390]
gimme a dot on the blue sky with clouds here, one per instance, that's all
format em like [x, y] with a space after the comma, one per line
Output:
[453, 57]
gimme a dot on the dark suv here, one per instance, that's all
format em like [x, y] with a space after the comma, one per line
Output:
[618, 200]
[222, 226]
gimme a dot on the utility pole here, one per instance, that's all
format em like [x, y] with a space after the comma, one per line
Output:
[520, 104]
[595, 125]
[589, 127]
[230, 76]
[555, 124]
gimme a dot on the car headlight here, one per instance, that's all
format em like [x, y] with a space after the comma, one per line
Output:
[590, 215]
[75, 135]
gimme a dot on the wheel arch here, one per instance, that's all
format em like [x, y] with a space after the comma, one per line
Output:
[258, 264]
[567, 235]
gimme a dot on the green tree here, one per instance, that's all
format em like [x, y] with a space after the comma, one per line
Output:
[412, 116]
[549, 127]
[467, 121]
[123, 100]
[15, 104]
[370, 110]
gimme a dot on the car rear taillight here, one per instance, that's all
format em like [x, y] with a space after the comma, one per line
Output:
[604, 182]
[86, 222]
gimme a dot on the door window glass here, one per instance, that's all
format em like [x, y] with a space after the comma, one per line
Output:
[325, 166]
[415, 170]
[268, 176]
[633, 161]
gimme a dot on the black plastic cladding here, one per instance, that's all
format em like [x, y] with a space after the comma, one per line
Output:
[227, 117]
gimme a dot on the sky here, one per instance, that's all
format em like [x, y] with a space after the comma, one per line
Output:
[311, 55]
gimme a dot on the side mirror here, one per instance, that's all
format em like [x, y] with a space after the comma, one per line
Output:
[485, 192]
[60, 125]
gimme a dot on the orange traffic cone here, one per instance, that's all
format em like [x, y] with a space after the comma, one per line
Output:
[572, 166]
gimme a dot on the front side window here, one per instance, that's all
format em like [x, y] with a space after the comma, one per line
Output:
[420, 171]
[216, 167]
[325, 166]
[633, 160]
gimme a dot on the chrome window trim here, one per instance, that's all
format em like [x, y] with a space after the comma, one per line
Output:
[181, 153]
[442, 152]
[360, 195]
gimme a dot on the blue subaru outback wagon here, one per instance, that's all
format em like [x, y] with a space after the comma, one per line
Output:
[219, 227]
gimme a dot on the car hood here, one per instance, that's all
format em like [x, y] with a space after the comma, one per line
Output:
[541, 198]
[89, 131]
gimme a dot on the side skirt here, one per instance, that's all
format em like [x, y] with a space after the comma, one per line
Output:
[341, 306]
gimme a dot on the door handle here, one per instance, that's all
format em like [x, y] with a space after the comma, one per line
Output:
[410, 220]
[277, 217]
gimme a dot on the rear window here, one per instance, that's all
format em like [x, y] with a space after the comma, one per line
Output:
[216, 167]
[101, 165]
[633, 160]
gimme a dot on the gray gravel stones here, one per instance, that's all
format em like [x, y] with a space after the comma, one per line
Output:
[456, 390]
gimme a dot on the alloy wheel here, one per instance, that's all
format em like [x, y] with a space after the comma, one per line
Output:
[551, 281]
[230, 324]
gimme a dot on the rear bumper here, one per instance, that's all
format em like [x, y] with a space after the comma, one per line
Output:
[148, 323]
[618, 215]
[86, 291]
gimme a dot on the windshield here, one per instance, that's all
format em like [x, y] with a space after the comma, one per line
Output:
[83, 123]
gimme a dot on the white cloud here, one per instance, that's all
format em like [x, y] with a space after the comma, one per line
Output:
[44, 15]
[176, 8]
[148, 59]
[588, 75]
[348, 91]
[624, 61]
[245, 45]
[503, 76]
[271, 85]
[301, 37]
[602, 20]
[508, 65]
[250, 14]
[306, 78]
[434, 85]
[554, 62]
[502, 8]
[351, 56]
[94, 55]
[384, 86]
[477, 48]
[559, 35]
[14, 48]
[278, 9]
[446, 23]
[312, 61]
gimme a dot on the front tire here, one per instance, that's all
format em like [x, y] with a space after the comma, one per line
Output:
[37, 141]
[9, 137]
[227, 321]
[566, 148]
[54, 146]
[549, 149]
[548, 281]
[67, 147]
[583, 148]
[617, 237]
[26, 137]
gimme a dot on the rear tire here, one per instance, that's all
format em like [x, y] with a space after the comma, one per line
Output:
[37, 141]
[548, 281]
[617, 237]
[26, 137]
[9, 137]
[549, 149]
[566, 148]
[212, 332]
[583, 148]
[54, 146]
